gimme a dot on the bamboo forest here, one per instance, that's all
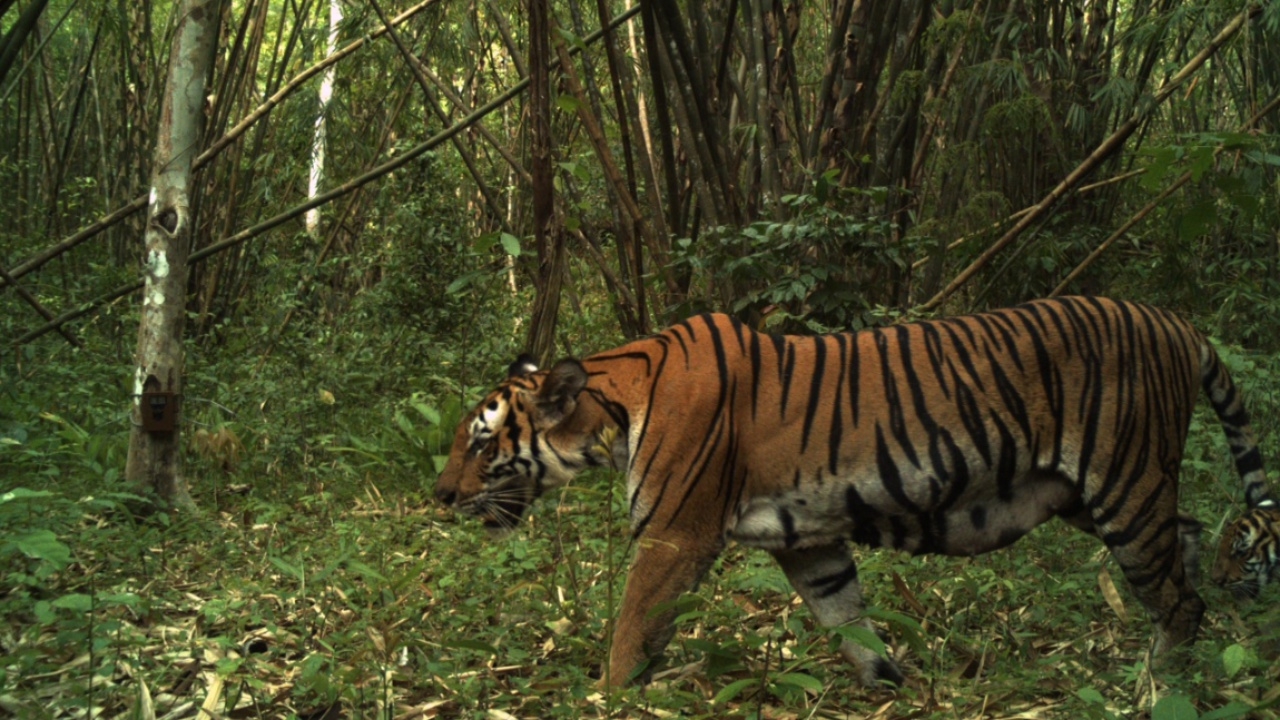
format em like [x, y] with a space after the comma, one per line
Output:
[336, 378]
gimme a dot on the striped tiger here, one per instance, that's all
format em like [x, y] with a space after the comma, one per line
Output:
[1249, 552]
[953, 436]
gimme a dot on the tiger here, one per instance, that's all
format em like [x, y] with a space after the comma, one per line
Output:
[954, 436]
[1248, 556]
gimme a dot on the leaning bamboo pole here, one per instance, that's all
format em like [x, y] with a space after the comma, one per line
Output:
[1146, 209]
[1106, 149]
[116, 216]
[337, 192]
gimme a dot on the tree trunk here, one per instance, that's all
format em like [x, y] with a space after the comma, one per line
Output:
[326, 94]
[550, 271]
[155, 463]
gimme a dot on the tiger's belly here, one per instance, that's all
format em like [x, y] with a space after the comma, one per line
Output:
[981, 519]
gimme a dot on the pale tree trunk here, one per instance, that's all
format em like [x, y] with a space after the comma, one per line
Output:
[326, 94]
[155, 463]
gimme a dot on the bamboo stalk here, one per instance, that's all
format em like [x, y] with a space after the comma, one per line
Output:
[33, 302]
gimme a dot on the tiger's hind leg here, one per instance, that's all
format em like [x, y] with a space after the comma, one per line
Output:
[1189, 530]
[1150, 540]
[827, 579]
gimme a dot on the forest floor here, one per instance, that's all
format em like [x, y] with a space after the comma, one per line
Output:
[291, 600]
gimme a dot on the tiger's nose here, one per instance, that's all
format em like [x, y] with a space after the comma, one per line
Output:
[446, 496]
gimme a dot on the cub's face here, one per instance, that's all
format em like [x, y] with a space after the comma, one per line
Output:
[1247, 555]
[502, 457]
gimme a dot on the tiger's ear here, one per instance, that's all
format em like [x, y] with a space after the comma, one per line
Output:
[558, 396]
[524, 365]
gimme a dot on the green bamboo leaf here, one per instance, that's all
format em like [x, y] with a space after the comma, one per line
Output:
[471, 645]
[733, 690]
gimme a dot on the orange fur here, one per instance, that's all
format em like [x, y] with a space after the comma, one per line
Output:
[951, 436]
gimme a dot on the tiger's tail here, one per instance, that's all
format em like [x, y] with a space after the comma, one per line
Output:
[1222, 394]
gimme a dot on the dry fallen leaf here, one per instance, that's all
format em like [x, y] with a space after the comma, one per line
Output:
[1112, 596]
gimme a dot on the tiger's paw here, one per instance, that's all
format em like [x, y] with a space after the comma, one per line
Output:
[882, 673]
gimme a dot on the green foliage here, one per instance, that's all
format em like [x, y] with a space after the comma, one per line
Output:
[809, 272]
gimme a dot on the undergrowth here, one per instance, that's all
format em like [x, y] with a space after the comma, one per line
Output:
[319, 581]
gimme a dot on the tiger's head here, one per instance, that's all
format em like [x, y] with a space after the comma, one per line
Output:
[1249, 553]
[531, 434]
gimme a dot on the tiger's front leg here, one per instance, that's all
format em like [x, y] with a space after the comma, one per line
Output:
[827, 579]
[664, 567]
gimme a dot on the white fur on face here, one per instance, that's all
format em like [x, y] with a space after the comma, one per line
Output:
[486, 424]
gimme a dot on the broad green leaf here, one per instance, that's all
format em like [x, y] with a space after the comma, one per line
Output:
[1174, 707]
[911, 631]
[22, 493]
[733, 690]
[44, 612]
[1201, 160]
[692, 615]
[511, 244]
[405, 426]
[75, 601]
[1226, 712]
[567, 103]
[1263, 158]
[227, 666]
[1233, 659]
[893, 618]
[44, 545]
[800, 680]
[1153, 179]
[1091, 696]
